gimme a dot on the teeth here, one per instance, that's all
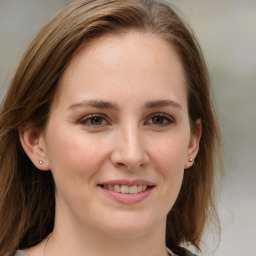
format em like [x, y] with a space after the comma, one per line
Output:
[135, 189]
[115, 188]
[124, 189]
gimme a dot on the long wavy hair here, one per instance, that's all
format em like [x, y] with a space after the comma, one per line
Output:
[27, 195]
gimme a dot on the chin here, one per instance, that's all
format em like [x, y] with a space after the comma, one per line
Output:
[128, 227]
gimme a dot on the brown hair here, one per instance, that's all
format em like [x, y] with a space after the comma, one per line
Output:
[27, 199]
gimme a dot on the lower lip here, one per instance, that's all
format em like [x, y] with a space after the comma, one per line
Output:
[128, 198]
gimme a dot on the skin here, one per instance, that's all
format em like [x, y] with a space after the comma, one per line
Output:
[142, 132]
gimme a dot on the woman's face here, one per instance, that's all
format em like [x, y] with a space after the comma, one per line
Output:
[119, 122]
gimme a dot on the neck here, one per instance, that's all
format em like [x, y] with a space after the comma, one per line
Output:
[79, 242]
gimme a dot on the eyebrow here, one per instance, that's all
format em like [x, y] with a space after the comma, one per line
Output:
[109, 105]
[162, 103]
[95, 104]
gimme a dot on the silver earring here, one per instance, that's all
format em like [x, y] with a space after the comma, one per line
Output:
[40, 162]
[191, 160]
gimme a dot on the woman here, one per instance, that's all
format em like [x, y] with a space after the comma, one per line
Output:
[108, 136]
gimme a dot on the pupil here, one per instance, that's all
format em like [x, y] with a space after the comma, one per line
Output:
[158, 120]
[96, 120]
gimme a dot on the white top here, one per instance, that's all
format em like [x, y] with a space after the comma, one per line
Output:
[21, 253]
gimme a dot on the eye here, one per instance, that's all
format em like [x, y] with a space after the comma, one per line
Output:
[94, 121]
[160, 120]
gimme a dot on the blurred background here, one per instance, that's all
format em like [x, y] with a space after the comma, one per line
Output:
[226, 31]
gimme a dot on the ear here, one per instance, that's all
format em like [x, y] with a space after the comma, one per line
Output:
[32, 141]
[193, 146]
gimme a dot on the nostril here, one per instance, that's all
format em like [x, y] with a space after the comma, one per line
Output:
[130, 166]
[121, 164]
[129, 157]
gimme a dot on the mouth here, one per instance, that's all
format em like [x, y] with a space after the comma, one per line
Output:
[126, 189]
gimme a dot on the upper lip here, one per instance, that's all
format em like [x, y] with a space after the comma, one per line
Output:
[128, 182]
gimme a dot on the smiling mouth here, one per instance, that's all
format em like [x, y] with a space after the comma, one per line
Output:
[124, 189]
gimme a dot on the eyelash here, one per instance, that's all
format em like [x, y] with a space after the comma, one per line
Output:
[90, 118]
[166, 119]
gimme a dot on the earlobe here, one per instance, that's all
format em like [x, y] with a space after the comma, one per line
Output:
[33, 144]
[193, 147]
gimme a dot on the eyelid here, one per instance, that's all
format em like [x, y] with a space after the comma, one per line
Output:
[86, 118]
[169, 118]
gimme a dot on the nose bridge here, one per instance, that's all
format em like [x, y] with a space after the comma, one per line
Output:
[129, 147]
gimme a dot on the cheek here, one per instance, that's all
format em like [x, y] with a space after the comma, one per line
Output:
[171, 167]
[169, 161]
[74, 160]
[75, 157]
[171, 153]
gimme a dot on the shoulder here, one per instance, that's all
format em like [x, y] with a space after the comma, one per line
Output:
[188, 253]
[180, 252]
[20, 253]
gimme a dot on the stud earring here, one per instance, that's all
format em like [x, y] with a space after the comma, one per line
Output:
[40, 162]
[191, 160]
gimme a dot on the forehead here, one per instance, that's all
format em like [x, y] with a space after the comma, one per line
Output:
[132, 61]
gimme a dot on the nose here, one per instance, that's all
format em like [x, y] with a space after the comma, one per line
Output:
[129, 150]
